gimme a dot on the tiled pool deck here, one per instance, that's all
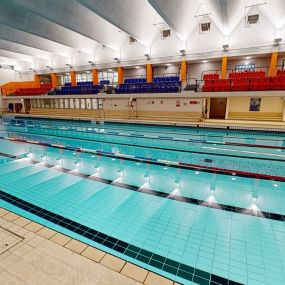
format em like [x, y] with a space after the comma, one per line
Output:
[33, 254]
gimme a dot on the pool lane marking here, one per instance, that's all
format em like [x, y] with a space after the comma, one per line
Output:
[179, 140]
[158, 148]
[182, 165]
[159, 262]
[179, 198]
[174, 133]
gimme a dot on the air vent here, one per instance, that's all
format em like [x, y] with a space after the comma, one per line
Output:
[132, 40]
[205, 27]
[165, 34]
[252, 19]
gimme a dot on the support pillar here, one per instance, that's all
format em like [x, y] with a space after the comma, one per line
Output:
[149, 77]
[73, 78]
[95, 79]
[53, 80]
[183, 71]
[120, 75]
[224, 67]
[273, 64]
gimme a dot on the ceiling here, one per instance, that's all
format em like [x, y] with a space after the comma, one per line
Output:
[35, 34]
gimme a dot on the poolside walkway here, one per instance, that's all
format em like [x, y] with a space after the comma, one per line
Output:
[32, 254]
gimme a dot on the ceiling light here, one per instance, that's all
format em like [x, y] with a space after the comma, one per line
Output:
[277, 41]
[182, 51]
[137, 67]
[147, 56]
[225, 47]
[248, 57]
[110, 69]
[91, 62]
[168, 64]
[204, 61]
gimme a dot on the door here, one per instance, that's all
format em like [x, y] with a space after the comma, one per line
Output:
[218, 108]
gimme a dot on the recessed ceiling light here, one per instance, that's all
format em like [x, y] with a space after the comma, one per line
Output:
[110, 69]
[168, 64]
[204, 61]
[248, 57]
[137, 67]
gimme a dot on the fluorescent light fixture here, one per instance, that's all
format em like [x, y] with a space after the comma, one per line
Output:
[225, 47]
[168, 64]
[147, 56]
[110, 69]
[204, 61]
[277, 41]
[248, 57]
[137, 67]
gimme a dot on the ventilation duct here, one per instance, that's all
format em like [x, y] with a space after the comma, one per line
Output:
[165, 34]
[252, 19]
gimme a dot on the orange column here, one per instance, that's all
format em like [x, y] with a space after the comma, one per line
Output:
[224, 67]
[120, 75]
[53, 80]
[95, 77]
[73, 78]
[273, 64]
[37, 80]
[183, 71]
[149, 73]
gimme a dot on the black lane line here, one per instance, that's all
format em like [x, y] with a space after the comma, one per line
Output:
[152, 147]
[185, 166]
[168, 265]
[179, 198]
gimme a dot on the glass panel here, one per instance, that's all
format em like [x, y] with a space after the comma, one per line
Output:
[82, 106]
[71, 103]
[94, 104]
[76, 102]
[88, 104]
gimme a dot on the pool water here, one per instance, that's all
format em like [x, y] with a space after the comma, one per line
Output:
[121, 188]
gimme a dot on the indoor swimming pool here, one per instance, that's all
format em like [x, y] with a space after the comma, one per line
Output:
[198, 206]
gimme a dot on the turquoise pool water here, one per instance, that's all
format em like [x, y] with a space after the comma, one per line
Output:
[195, 226]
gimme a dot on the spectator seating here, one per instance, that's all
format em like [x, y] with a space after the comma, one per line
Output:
[244, 81]
[45, 87]
[85, 87]
[161, 84]
[104, 82]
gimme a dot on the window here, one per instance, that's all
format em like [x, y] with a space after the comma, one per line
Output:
[245, 67]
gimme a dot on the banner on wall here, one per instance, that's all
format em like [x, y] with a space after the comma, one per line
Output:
[254, 105]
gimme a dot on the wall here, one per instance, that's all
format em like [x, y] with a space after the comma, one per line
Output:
[7, 75]
[268, 104]
[156, 104]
